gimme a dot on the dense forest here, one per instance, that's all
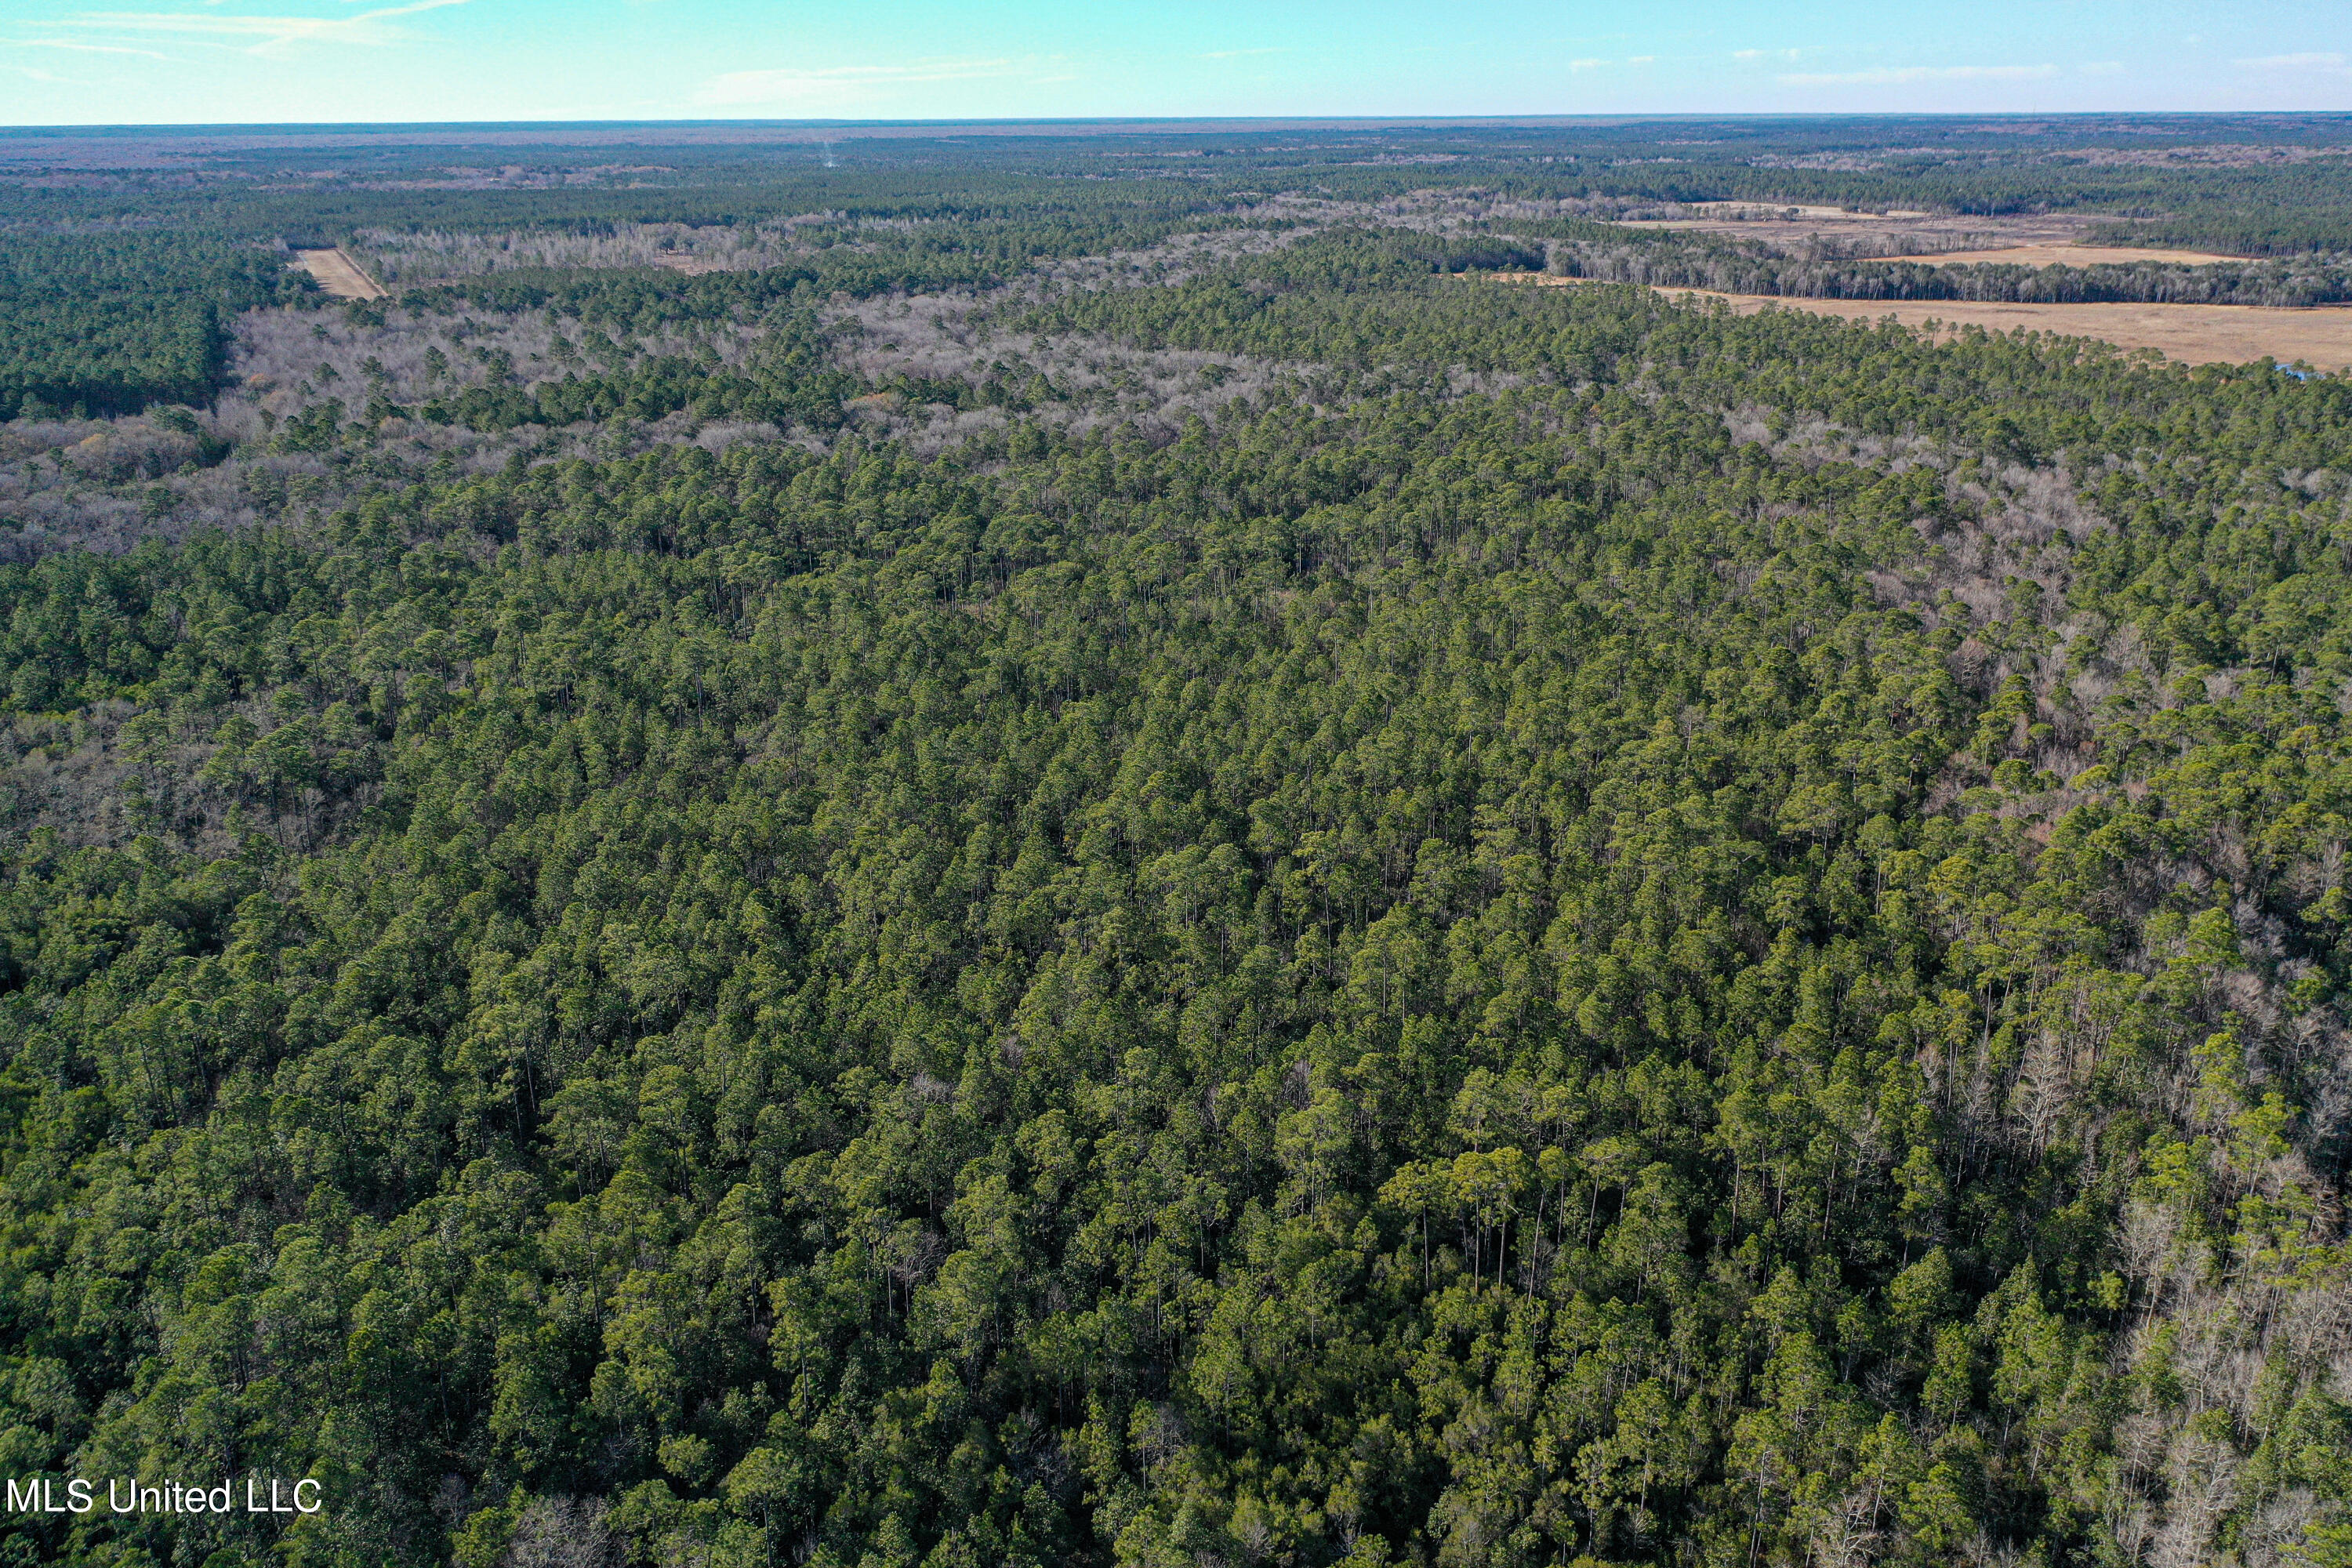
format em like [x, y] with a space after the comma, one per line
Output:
[1134, 874]
[99, 325]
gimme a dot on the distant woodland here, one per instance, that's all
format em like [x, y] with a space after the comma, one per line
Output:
[1063, 852]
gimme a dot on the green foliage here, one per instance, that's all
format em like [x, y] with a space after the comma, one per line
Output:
[1664, 258]
[97, 324]
[1718, 943]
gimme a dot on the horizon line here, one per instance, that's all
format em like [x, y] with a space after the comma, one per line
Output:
[1178, 120]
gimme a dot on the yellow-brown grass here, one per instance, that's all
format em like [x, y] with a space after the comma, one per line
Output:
[339, 275]
[2194, 334]
[2066, 256]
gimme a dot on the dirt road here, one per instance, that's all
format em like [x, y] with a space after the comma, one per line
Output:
[339, 275]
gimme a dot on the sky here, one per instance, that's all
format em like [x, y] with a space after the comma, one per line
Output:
[66, 62]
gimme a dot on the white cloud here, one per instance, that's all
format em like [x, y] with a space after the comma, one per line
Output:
[269, 35]
[834, 86]
[1751, 55]
[1586, 64]
[2329, 61]
[1237, 54]
[1890, 75]
[2104, 67]
[78, 47]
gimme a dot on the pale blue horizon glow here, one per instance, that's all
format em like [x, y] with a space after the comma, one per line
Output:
[96, 62]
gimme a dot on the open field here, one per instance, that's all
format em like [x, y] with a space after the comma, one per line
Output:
[2042, 240]
[339, 275]
[2067, 256]
[2194, 334]
[690, 264]
[1889, 234]
[1774, 210]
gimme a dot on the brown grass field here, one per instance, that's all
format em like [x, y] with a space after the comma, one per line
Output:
[2194, 334]
[339, 275]
[1754, 210]
[1904, 232]
[2047, 240]
[2066, 256]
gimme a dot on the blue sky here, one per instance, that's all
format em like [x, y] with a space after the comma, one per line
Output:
[183, 61]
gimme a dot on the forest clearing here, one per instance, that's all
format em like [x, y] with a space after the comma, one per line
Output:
[2065, 255]
[2019, 239]
[339, 275]
[2194, 334]
[1888, 232]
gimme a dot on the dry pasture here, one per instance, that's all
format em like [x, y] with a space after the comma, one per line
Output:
[2066, 256]
[1886, 234]
[690, 264]
[2023, 240]
[2195, 334]
[1770, 210]
[339, 275]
